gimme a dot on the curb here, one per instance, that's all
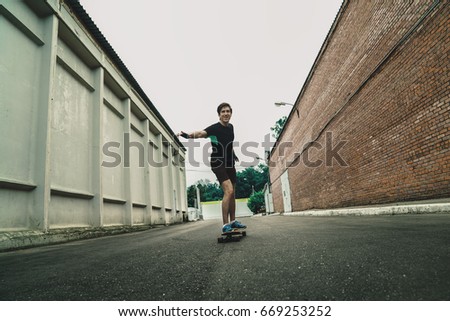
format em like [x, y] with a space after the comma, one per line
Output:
[436, 208]
[16, 240]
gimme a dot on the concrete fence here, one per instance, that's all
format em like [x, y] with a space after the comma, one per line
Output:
[81, 144]
[213, 210]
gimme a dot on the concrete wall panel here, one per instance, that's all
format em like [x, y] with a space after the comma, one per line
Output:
[72, 62]
[137, 164]
[166, 188]
[114, 214]
[156, 173]
[15, 207]
[113, 172]
[18, 102]
[139, 214]
[157, 217]
[69, 212]
[71, 133]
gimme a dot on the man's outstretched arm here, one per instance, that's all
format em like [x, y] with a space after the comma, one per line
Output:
[196, 134]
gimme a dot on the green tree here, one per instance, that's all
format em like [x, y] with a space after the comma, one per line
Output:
[279, 125]
[212, 192]
[208, 192]
[256, 202]
[191, 195]
[250, 180]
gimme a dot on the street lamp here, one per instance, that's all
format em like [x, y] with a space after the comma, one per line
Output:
[282, 103]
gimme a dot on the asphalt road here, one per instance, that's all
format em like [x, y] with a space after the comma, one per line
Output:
[405, 257]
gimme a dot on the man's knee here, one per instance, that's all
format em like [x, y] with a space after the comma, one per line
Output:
[228, 188]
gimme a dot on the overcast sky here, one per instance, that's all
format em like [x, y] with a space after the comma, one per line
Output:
[191, 55]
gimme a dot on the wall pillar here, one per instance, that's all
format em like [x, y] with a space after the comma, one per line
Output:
[128, 219]
[39, 214]
[148, 178]
[162, 182]
[173, 196]
[97, 218]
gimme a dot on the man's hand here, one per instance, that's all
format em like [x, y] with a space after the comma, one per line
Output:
[183, 134]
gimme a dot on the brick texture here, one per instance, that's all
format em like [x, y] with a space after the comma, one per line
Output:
[381, 85]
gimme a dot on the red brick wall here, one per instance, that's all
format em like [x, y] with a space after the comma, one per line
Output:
[383, 91]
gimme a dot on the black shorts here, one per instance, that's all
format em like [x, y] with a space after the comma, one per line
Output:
[223, 173]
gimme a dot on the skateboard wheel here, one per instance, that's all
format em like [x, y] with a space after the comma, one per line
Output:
[244, 233]
[219, 240]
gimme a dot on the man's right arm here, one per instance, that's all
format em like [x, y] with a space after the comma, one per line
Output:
[196, 134]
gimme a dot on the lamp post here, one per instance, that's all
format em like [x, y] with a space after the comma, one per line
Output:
[282, 103]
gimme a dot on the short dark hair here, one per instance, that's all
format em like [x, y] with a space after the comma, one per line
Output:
[223, 105]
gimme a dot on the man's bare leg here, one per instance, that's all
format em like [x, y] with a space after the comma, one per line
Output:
[228, 202]
[232, 205]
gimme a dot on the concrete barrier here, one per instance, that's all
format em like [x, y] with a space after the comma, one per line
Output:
[420, 207]
[213, 210]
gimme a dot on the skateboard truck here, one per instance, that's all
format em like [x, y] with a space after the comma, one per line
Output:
[233, 236]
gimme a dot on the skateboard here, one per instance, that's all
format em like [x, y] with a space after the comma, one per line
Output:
[233, 236]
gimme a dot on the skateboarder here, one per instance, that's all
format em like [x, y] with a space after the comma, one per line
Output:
[222, 162]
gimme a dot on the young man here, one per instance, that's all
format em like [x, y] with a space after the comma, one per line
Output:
[222, 162]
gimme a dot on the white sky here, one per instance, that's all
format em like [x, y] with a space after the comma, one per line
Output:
[191, 55]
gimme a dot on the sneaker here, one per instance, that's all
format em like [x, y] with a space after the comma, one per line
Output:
[227, 228]
[237, 224]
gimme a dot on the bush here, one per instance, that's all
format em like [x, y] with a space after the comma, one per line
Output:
[256, 202]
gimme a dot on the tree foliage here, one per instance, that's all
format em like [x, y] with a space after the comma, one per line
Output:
[276, 130]
[209, 191]
[256, 202]
[191, 195]
[249, 180]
